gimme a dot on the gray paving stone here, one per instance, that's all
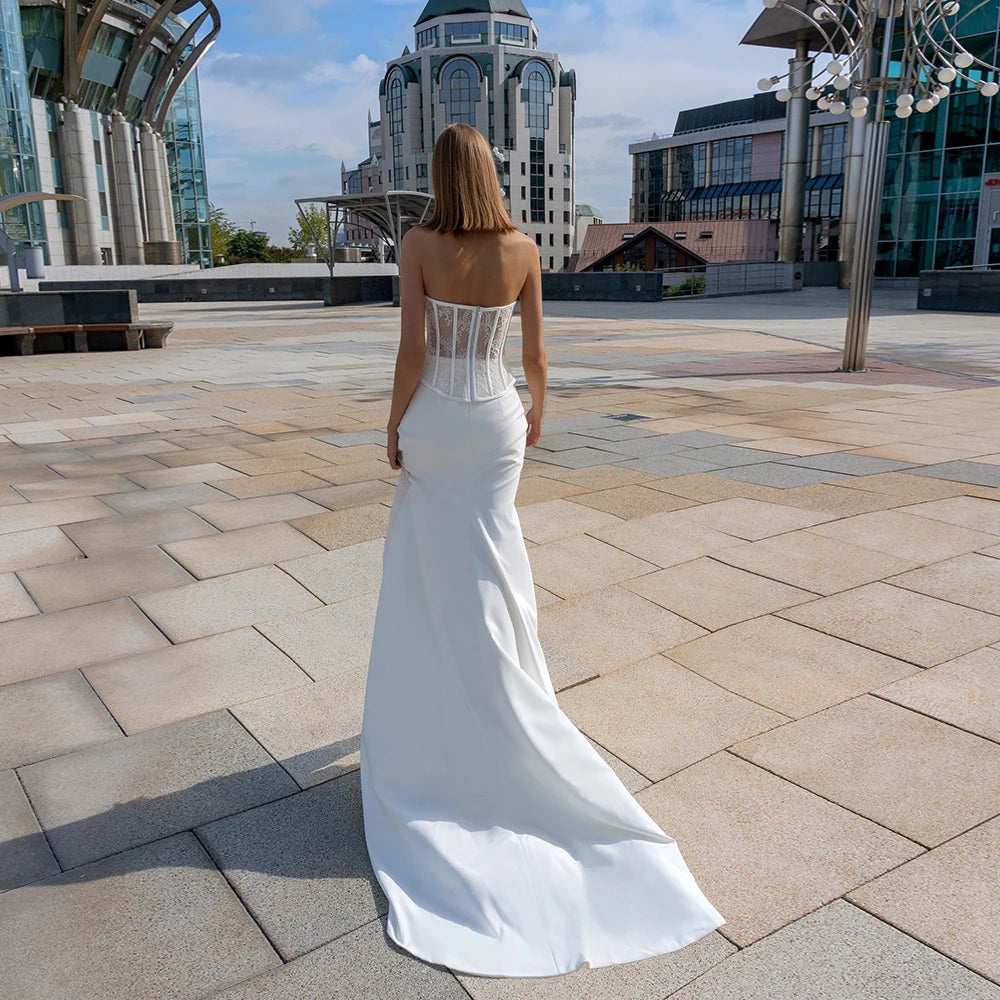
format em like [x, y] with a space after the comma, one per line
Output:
[347, 967]
[25, 855]
[581, 422]
[839, 952]
[622, 432]
[574, 458]
[52, 715]
[348, 439]
[976, 473]
[851, 465]
[645, 447]
[95, 802]
[301, 865]
[155, 923]
[701, 439]
[780, 475]
[724, 456]
[136, 531]
[561, 441]
[668, 465]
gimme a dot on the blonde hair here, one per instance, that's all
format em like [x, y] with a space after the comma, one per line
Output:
[467, 192]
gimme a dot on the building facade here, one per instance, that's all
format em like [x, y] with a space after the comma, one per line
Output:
[723, 162]
[479, 63]
[106, 107]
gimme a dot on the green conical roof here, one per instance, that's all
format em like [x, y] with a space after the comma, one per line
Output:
[439, 8]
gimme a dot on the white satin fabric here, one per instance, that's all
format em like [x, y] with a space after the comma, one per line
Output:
[505, 844]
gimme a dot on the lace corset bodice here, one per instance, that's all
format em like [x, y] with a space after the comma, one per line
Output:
[464, 357]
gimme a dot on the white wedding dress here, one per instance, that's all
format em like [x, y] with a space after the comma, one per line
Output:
[505, 844]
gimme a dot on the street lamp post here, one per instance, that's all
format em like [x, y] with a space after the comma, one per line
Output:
[858, 37]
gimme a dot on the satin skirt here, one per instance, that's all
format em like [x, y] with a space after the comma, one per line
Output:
[505, 844]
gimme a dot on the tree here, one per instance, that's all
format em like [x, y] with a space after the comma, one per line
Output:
[281, 255]
[246, 247]
[300, 236]
[222, 231]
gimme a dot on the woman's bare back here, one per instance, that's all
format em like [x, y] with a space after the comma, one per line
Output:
[479, 268]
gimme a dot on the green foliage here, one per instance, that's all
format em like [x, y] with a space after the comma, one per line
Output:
[619, 268]
[246, 247]
[282, 255]
[222, 232]
[693, 285]
[300, 235]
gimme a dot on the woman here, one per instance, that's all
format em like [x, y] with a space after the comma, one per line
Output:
[505, 844]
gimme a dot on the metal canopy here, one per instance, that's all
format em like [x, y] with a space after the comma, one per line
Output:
[391, 213]
[781, 28]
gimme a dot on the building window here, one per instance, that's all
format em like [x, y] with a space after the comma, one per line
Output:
[421, 169]
[538, 238]
[428, 36]
[565, 170]
[565, 194]
[565, 239]
[731, 160]
[524, 215]
[395, 105]
[566, 218]
[537, 96]
[832, 147]
[458, 91]
[551, 218]
[511, 34]
[524, 167]
[465, 31]
[552, 240]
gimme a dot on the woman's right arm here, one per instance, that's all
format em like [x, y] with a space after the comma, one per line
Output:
[533, 347]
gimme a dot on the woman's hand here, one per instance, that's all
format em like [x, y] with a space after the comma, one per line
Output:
[534, 428]
[392, 448]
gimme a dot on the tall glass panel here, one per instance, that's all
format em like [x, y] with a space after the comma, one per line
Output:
[537, 97]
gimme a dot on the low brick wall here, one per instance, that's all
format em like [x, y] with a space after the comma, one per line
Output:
[959, 291]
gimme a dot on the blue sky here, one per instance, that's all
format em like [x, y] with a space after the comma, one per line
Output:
[285, 97]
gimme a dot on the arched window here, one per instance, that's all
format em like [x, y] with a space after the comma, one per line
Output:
[395, 102]
[460, 91]
[536, 93]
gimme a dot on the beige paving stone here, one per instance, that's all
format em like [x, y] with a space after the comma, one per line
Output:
[793, 445]
[608, 629]
[49, 513]
[900, 623]
[67, 489]
[248, 487]
[665, 539]
[343, 573]
[905, 535]
[202, 456]
[183, 474]
[969, 512]
[356, 472]
[22, 472]
[287, 463]
[335, 529]
[229, 515]
[749, 519]
[537, 489]
[14, 599]
[164, 498]
[833, 500]
[163, 686]
[713, 595]
[787, 667]
[970, 580]
[901, 769]
[26, 549]
[947, 898]
[576, 565]
[105, 466]
[225, 603]
[763, 850]
[598, 477]
[102, 578]
[905, 486]
[706, 487]
[632, 501]
[329, 641]
[554, 519]
[963, 692]
[47, 644]
[136, 531]
[814, 562]
[245, 548]
[659, 717]
[352, 494]
[924, 454]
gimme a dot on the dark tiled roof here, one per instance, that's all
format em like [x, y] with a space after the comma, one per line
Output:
[439, 8]
[601, 239]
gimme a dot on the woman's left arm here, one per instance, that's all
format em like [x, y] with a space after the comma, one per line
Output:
[410, 356]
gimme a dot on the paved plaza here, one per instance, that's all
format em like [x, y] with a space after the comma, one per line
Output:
[768, 592]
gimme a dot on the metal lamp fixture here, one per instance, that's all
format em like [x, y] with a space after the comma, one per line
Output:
[853, 42]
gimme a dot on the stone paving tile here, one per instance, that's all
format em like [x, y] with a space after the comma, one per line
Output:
[764, 850]
[249, 487]
[245, 548]
[851, 465]
[300, 865]
[88, 467]
[905, 535]
[49, 513]
[968, 512]
[164, 498]
[977, 473]
[660, 717]
[351, 494]
[229, 515]
[225, 603]
[667, 466]
[749, 519]
[598, 477]
[335, 576]
[900, 769]
[102, 578]
[347, 439]
[714, 595]
[68, 489]
[24, 853]
[789, 668]
[665, 539]
[183, 474]
[329, 640]
[110, 535]
[169, 927]
[573, 458]
[730, 456]
[947, 898]
[627, 502]
[559, 441]
[349, 965]
[970, 580]
[48, 716]
[552, 520]
[101, 800]
[14, 599]
[839, 953]
[251, 466]
[194, 678]
[963, 692]
[223, 454]
[814, 562]
[793, 445]
[608, 629]
[48, 644]
[900, 623]
[356, 472]
[908, 487]
[336, 529]
[538, 489]
[578, 564]
[779, 475]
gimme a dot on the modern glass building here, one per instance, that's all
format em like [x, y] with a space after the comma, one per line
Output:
[105, 106]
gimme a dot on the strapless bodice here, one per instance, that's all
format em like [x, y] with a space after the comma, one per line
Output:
[464, 355]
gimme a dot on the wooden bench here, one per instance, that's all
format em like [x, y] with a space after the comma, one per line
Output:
[73, 334]
[135, 336]
[23, 335]
[131, 333]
